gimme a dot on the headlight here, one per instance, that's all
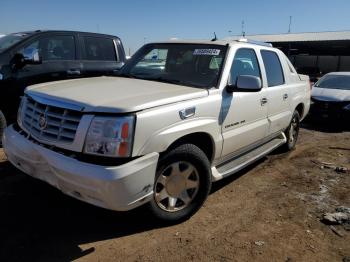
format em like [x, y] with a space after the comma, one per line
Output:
[347, 107]
[110, 136]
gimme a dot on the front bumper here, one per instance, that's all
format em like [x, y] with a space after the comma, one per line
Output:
[118, 188]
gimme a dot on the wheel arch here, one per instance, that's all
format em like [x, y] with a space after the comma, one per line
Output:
[202, 140]
[300, 108]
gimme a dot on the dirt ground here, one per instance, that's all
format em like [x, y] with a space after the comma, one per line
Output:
[268, 212]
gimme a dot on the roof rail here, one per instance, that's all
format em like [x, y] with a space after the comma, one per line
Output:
[254, 42]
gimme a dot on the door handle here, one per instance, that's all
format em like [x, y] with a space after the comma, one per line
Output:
[263, 101]
[285, 96]
[73, 72]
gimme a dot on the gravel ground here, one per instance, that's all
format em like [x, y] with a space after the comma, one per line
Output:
[268, 212]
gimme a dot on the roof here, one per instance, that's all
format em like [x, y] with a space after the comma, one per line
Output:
[194, 41]
[339, 73]
[222, 42]
[299, 37]
[61, 31]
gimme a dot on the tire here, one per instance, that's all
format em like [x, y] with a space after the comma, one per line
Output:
[292, 132]
[182, 184]
[2, 126]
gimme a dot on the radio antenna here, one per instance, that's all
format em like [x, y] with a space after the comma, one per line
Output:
[215, 38]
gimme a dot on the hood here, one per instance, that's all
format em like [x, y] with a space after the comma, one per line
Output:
[331, 95]
[113, 94]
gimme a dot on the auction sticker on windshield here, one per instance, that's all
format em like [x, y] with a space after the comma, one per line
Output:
[206, 52]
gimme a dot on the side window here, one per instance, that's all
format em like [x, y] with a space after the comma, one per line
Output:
[99, 49]
[60, 47]
[245, 63]
[273, 67]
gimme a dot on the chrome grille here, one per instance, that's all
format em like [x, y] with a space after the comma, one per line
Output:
[46, 122]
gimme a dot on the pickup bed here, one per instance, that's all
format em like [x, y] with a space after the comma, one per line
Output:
[180, 116]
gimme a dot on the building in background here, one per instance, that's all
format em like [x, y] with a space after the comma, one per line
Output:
[314, 54]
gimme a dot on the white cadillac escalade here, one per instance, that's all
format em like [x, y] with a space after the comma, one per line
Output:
[180, 115]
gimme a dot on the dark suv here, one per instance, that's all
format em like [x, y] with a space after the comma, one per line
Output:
[41, 56]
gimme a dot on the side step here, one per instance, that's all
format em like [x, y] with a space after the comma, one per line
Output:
[237, 164]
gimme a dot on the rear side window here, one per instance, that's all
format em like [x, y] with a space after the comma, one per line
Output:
[99, 49]
[273, 67]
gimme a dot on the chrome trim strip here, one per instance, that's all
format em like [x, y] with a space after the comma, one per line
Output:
[56, 103]
[116, 50]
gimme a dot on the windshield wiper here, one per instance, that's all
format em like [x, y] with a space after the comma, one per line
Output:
[126, 75]
[166, 80]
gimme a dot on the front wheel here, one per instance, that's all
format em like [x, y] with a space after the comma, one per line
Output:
[182, 183]
[2, 126]
[292, 132]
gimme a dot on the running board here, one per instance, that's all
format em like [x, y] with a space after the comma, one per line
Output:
[237, 164]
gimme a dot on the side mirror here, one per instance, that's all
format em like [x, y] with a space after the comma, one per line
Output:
[245, 83]
[31, 56]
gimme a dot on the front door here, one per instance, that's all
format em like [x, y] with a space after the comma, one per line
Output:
[58, 54]
[243, 114]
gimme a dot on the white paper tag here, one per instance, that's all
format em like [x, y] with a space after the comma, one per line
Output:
[206, 52]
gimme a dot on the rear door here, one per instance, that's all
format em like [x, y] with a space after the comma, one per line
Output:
[278, 92]
[101, 55]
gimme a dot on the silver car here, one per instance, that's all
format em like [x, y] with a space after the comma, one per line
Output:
[331, 96]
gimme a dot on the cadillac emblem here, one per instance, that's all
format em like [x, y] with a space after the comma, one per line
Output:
[42, 122]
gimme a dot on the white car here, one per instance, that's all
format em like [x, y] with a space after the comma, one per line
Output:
[160, 135]
[331, 96]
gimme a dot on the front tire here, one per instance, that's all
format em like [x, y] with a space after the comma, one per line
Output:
[182, 183]
[2, 126]
[292, 132]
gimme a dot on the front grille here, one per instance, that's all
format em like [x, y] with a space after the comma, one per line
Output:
[329, 106]
[51, 123]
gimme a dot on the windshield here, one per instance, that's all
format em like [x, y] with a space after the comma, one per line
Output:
[10, 40]
[195, 65]
[334, 82]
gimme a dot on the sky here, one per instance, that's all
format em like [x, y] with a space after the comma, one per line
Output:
[140, 21]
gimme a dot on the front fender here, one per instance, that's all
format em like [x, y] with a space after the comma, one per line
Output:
[158, 128]
[160, 141]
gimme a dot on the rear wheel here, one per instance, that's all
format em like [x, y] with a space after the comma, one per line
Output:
[182, 184]
[2, 126]
[292, 132]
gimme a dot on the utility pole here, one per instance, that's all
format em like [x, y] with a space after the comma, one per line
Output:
[290, 24]
[243, 32]
[289, 30]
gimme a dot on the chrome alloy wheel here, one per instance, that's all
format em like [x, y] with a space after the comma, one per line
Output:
[176, 186]
[293, 131]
